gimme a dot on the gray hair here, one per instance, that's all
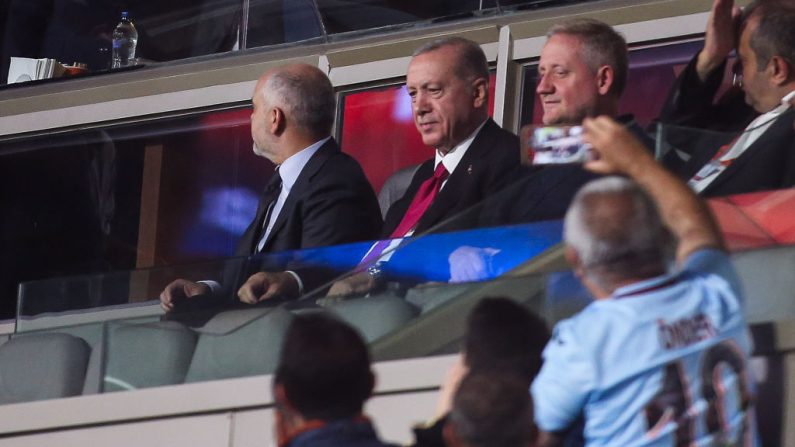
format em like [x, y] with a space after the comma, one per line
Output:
[601, 45]
[472, 62]
[306, 95]
[775, 33]
[615, 228]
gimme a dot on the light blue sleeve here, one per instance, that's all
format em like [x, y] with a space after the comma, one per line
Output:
[561, 389]
[711, 261]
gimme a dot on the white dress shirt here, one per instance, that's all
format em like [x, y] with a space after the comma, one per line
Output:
[289, 170]
[707, 174]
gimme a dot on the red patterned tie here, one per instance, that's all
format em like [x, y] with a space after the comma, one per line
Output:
[422, 200]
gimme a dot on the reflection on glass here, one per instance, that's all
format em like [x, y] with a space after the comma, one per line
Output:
[168, 191]
[432, 283]
[71, 31]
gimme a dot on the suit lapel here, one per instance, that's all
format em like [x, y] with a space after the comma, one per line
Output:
[398, 209]
[310, 169]
[765, 142]
[458, 184]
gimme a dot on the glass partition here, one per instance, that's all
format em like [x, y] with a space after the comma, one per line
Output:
[165, 191]
[183, 190]
[80, 32]
[135, 346]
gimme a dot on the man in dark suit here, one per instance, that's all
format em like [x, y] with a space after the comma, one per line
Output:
[447, 81]
[318, 195]
[582, 73]
[762, 156]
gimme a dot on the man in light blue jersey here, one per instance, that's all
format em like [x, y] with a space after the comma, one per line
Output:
[660, 357]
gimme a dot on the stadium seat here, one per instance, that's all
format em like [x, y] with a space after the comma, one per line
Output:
[147, 355]
[375, 317]
[42, 366]
[233, 344]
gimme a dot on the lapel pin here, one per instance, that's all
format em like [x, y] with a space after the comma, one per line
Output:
[469, 170]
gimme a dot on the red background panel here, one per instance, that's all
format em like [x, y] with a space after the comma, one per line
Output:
[773, 211]
[739, 231]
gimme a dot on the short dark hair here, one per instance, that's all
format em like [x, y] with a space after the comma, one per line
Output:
[324, 367]
[601, 45]
[472, 62]
[493, 409]
[775, 32]
[504, 335]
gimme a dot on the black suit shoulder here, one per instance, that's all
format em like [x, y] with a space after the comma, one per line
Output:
[330, 203]
[768, 163]
[692, 103]
[485, 169]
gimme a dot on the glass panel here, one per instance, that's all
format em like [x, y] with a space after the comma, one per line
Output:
[414, 317]
[423, 291]
[154, 193]
[80, 32]
[72, 31]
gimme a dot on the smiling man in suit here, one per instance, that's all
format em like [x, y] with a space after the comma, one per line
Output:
[318, 195]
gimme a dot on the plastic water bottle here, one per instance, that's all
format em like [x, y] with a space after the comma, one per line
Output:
[125, 38]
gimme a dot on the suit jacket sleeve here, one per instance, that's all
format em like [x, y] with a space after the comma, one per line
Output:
[692, 102]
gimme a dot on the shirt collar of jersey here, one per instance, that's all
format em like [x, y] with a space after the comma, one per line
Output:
[646, 286]
[452, 158]
[291, 168]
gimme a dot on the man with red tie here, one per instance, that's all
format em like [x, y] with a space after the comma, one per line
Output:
[448, 82]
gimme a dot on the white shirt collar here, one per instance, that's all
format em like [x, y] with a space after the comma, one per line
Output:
[454, 156]
[291, 168]
[778, 110]
[787, 98]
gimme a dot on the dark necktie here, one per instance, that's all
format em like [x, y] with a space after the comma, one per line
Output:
[268, 199]
[422, 201]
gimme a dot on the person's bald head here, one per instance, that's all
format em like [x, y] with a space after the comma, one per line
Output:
[296, 101]
[616, 233]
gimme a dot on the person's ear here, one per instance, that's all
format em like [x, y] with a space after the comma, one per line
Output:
[276, 121]
[282, 415]
[480, 92]
[605, 78]
[779, 70]
[574, 261]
